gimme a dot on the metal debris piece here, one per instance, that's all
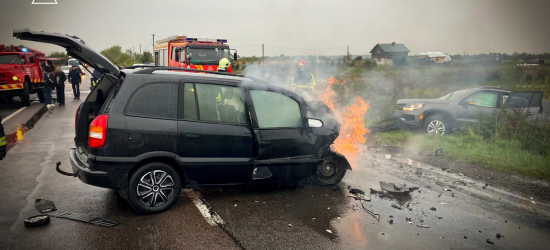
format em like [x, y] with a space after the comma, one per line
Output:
[85, 218]
[328, 231]
[422, 226]
[44, 206]
[370, 212]
[356, 191]
[394, 189]
[396, 206]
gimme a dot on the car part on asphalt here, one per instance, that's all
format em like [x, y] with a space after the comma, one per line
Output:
[57, 164]
[85, 218]
[37, 220]
[394, 189]
[370, 212]
[44, 206]
[422, 226]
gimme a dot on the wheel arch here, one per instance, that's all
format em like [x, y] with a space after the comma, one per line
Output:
[170, 161]
[446, 114]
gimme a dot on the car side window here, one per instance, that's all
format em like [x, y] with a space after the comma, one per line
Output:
[219, 103]
[31, 60]
[157, 100]
[487, 99]
[189, 102]
[274, 110]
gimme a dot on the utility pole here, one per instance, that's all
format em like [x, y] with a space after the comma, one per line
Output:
[140, 48]
[153, 44]
[348, 58]
[263, 55]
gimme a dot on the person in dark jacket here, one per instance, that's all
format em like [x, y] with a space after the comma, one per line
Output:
[3, 142]
[76, 81]
[49, 84]
[60, 79]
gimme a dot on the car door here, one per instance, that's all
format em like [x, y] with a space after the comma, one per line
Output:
[529, 102]
[481, 103]
[281, 135]
[214, 134]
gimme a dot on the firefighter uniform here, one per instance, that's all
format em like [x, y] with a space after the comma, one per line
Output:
[3, 142]
[304, 79]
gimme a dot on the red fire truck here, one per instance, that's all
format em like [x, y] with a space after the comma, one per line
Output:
[193, 53]
[21, 73]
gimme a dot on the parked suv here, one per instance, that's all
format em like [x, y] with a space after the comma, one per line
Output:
[149, 132]
[441, 115]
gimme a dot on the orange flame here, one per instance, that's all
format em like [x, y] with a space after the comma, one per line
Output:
[352, 118]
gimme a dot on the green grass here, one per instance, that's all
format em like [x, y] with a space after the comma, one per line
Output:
[500, 155]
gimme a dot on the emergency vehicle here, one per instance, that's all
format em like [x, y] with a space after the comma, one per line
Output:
[21, 73]
[192, 53]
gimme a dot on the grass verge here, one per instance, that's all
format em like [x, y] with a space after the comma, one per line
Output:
[500, 155]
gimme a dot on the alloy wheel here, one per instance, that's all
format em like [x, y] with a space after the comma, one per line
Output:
[155, 188]
[436, 127]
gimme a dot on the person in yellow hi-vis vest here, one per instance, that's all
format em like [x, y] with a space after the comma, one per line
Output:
[304, 80]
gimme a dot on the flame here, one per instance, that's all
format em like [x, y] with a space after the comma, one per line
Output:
[352, 118]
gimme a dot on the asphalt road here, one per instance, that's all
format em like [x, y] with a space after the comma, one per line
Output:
[262, 217]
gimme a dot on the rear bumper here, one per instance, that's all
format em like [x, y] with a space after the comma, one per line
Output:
[99, 174]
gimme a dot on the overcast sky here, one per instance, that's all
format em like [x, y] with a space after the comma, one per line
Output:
[293, 27]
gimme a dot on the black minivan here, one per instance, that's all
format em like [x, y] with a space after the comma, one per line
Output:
[150, 132]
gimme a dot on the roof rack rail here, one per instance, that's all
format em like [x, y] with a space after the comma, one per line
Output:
[151, 69]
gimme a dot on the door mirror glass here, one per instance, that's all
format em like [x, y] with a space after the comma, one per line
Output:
[235, 56]
[314, 123]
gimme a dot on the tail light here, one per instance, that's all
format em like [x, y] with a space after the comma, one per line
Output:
[98, 131]
[76, 115]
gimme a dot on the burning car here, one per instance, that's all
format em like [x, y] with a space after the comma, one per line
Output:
[439, 116]
[149, 132]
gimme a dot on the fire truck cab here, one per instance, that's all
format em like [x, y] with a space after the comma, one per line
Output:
[21, 73]
[193, 53]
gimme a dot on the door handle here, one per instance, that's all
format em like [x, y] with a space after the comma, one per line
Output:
[192, 136]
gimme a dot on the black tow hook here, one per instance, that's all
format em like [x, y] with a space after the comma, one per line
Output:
[57, 164]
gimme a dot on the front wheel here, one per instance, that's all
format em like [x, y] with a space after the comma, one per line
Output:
[330, 171]
[437, 125]
[154, 188]
[25, 95]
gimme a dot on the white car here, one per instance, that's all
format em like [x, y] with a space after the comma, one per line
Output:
[66, 69]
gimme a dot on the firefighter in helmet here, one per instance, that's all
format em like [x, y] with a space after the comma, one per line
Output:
[304, 79]
[224, 65]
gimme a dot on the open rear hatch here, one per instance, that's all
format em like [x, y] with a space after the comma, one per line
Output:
[97, 101]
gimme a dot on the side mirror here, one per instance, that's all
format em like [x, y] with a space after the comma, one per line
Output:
[314, 123]
[235, 56]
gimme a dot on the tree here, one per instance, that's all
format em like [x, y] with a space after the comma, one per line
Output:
[116, 55]
[62, 56]
[146, 57]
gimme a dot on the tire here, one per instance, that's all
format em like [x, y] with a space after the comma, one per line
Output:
[25, 95]
[437, 125]
[148, 197]
[330, 171]
[41, 95]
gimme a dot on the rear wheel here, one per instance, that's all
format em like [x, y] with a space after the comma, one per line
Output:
[41, 95]
[330, 171]
[154, 188]
[437, 125]
[25, 95]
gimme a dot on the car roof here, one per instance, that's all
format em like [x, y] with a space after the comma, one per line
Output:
[491, 88]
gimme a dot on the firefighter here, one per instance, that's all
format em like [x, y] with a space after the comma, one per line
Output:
[223, 66]
[3, 141]
[304, 78]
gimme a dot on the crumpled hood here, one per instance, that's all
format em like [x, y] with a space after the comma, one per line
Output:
[413, 101]
[319, 110]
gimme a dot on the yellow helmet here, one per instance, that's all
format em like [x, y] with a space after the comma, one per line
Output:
[224, 63]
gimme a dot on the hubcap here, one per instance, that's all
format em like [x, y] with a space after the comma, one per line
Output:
[328, 169]
[436, 127]
[155, 188]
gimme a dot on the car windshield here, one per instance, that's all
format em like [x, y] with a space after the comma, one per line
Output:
[207, 55]
[455, 95]
[10, 59]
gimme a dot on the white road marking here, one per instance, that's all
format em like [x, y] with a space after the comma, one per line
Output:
[209, 215]
[13, 114]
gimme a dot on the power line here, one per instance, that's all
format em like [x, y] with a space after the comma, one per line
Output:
[304, 48]
[359, 50]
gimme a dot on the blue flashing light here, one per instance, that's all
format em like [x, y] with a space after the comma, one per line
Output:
[24, 50]
[222, 40]
[191, 39]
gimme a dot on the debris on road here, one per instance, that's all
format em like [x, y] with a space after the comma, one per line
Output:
[396, 206]
[85, 218]
[422, 226]
[370, 212]
[392, 188]
[499, 236]
[433, 208]
[289, 225]
[328, 231]
[390, 221]
[388, 156]
[37, 220]
[490, 242]
[44, 206]
[358, 194]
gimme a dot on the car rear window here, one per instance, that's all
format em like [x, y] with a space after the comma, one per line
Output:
[158, 100]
